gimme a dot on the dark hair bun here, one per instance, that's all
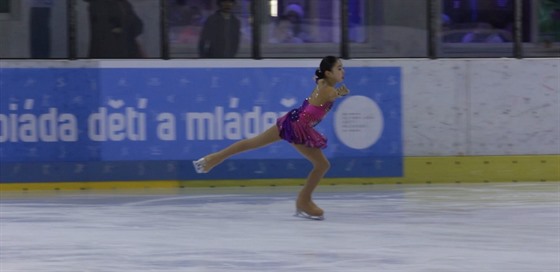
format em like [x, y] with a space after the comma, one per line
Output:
[327, 64]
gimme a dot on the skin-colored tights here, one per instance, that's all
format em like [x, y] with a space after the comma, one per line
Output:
[320, 164]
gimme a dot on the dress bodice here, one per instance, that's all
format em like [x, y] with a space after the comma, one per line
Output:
[310, 114]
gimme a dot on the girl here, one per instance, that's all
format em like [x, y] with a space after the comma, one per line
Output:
[296, 127]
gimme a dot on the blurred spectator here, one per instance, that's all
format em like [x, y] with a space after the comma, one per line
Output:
[114, 27]
[295, 14]
[282, 31]
[498, 13]
[220, 35]
[477, 21]
[486, 36]
[185, 22]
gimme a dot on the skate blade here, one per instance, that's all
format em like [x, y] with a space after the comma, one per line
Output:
[303, 214]
[199, 165]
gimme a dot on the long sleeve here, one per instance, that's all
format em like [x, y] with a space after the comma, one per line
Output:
[236, 37]
[203, 42]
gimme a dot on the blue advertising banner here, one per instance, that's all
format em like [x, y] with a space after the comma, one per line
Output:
[120, 118]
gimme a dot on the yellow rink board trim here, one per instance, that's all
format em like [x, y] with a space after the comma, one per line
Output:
[471, 169]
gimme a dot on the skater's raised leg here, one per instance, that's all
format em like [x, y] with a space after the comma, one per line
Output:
[208, 162]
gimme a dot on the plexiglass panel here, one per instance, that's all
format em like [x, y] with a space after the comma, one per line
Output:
[33, 29]
[118, 29]
[209, 29]
[388, 28]
[477, 28]
[301, 28]
[38, 29]
[544, 29]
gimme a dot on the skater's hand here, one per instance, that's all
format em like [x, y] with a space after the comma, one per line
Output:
[342, 90]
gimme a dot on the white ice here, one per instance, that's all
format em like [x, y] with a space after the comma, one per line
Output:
[512, 227]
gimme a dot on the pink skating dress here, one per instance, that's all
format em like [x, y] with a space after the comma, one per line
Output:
[297, 126]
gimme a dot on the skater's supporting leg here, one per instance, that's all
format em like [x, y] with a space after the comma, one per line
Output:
[267, 137]
[320, 167]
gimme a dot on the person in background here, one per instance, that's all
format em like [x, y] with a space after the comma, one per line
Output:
[282, 31]
[220, 36]
[114, 27]
[295, 14]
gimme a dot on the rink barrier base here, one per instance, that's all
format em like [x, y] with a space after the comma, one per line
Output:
[417, 170]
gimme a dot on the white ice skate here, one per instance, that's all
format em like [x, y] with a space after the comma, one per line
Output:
[199, 165]
[302, 214]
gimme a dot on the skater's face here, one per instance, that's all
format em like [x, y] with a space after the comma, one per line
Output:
[336, 74]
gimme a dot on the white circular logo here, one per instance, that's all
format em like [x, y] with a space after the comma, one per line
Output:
[358, 122]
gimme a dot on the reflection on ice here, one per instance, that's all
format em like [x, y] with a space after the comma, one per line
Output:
[475, 227]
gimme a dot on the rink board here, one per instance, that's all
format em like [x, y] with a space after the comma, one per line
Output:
[472, 128]
[126, 124]
[475, 169]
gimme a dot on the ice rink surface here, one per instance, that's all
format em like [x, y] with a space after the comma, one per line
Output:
[506, 227]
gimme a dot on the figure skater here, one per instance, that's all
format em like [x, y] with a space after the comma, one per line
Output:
[297, 128]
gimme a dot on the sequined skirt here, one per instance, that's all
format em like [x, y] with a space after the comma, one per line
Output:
[296, 128]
